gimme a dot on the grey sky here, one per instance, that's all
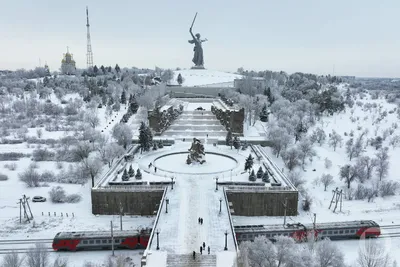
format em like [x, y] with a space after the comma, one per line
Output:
[359, 37]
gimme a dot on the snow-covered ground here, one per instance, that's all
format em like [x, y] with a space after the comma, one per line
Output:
[205, 78]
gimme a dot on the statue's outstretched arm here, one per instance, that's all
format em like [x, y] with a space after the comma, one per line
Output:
[205, 40]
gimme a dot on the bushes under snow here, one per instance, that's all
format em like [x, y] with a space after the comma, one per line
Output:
[58, 195]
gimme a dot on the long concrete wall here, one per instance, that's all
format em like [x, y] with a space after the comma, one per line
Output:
[108, 202]
[265, 203]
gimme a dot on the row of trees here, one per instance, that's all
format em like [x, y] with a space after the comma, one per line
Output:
[286, 253]
[39, 256]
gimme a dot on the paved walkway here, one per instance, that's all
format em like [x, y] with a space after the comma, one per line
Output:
[179, 230]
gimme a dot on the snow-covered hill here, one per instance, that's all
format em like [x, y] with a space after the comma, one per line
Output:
[205, 78]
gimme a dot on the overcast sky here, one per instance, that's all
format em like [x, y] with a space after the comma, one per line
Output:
[358, 37]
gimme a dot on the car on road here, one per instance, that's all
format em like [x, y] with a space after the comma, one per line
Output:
[38, 199]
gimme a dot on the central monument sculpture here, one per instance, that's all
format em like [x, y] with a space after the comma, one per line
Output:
[198, 58]
[196, 152]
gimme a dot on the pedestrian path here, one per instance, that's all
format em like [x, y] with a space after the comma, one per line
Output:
[180, 232]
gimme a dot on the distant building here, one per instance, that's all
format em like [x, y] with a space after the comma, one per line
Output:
[348, 78]
[258, 82]
[68, 64]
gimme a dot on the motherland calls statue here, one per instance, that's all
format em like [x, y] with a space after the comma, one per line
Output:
[196, 152]
[198, 58]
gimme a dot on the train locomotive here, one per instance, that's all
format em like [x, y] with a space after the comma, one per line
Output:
[302, 232]
[98, 240]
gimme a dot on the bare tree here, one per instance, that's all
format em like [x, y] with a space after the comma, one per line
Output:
[326, 180]
[123, 134]
[348, 173]
[12, 259]
[38, 256]
[291, 158]
[318, 136]
[327, 254]
[81, 151]
[350, 148]
[92, 119]
[382, 166]
[92, 166]
[112, 151]
[279, 139]
[295, 178]
[307, 150]
[335, 139]
[368, 165]
[372, 255]
[60, 262]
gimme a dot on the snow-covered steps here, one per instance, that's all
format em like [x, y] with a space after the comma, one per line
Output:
[185, 260]
[196, 123]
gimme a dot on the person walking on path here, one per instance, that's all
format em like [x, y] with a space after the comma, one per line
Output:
[204, 245]
[194, 254]
[201, 250]
[208, 250]
[199, 220]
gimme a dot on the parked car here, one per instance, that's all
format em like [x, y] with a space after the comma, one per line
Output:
[38, 199]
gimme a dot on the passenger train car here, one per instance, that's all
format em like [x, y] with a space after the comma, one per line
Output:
[73, 241]
[301, 232]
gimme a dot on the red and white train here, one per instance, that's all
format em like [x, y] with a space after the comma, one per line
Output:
[88, 240]
[301, 232]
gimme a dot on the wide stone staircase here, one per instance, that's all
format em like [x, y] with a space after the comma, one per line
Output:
[186, 260]
[196, 124]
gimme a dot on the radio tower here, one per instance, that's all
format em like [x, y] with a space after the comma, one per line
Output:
[89, 54]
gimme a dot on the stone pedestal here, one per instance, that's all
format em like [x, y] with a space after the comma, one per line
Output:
[198, 68]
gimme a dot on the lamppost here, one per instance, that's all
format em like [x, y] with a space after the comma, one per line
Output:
[216, 183]
[220, 205]
[172, 183]
[158, 243]
[226, 240]
[166, 206]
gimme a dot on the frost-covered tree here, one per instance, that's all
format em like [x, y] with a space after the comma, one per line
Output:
[306, 150]
[179, 79]
[125, 176]
[12, 259]
[109, 152]
[372, 254]
[279, 138]
[348, 173]
[144, 138]
[350, 150]
[318, 136]
[92, 119]
[92, 166]
[38, 256]
[335, 139]
[326, 180]
[291, 157]
[295, 178]
[365, 167]
[265, 177]
[123, 97]
[138, 174]
[131, 171]
[249, 163]
[260, 173]
[252, 176]
[382, 163]
[327, 254]
[123, 134]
